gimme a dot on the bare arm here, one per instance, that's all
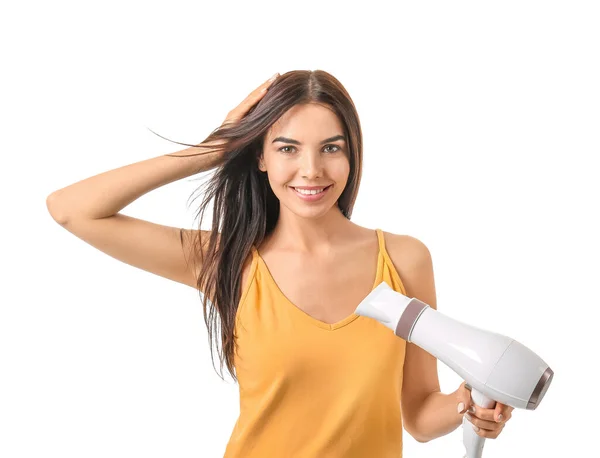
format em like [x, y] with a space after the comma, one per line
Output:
[104, 195]
[427, 413]
[89, 210]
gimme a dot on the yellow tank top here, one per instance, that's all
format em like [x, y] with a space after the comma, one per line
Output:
[309, 389]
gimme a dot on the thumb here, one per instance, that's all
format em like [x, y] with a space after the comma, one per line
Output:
[463, 394]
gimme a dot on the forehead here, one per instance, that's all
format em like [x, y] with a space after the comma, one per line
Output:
[306, 122]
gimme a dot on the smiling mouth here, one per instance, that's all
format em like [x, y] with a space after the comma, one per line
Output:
[310, 192]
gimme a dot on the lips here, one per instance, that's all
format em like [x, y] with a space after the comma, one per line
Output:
[312, 188]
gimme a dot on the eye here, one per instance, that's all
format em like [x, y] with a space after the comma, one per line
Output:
[337, 148]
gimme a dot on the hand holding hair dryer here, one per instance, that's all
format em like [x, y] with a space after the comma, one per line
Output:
[496, 367]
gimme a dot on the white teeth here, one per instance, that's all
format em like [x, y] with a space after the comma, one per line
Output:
[309, 192]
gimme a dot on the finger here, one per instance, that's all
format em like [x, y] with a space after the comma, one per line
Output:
[270, 81]
[464, 398]
[485, 414]
[240, 111]
[483, 424]
[500, 412]
[487, 433]
[492, 414]
[260, 90]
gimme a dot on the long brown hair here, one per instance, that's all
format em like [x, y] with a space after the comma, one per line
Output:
[245, 209]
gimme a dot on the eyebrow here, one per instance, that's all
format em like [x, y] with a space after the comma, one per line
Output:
[296, 142]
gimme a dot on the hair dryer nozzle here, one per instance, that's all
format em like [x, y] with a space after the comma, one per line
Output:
[540, 389]
[384, 305]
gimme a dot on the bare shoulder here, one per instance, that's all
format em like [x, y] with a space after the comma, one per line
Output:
[406, 248]
[412, 260]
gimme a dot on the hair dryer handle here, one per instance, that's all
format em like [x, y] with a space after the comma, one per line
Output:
[472, 442]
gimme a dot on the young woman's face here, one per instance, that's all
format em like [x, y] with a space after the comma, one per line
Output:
[306, 147]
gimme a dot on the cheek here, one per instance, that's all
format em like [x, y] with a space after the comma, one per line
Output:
[281, 172]
[341, 171]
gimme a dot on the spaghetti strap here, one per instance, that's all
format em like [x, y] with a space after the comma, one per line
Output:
[381, 240]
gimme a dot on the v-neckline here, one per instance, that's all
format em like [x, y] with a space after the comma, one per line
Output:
[327, 326]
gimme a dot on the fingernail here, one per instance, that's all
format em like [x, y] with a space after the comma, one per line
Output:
[273, 77]
[461, 407]
[500, 417]
[475, 428]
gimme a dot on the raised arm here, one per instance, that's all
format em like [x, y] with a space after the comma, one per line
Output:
[89, 210]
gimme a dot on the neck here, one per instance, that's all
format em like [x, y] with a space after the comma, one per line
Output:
[311, 235]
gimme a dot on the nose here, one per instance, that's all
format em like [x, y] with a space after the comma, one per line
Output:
[311, 165]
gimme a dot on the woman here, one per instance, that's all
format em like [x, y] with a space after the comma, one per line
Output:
[284, 269]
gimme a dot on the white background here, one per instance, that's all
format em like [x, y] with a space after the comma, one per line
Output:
[481, 138]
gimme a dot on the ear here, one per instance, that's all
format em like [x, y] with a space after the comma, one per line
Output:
[261, 164]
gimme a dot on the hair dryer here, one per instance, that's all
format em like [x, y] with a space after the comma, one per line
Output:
[496, 367]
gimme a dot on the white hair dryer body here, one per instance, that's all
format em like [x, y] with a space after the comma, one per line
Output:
[496, 367]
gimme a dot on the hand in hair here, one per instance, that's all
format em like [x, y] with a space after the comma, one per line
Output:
[240, 111]
[216, 141]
